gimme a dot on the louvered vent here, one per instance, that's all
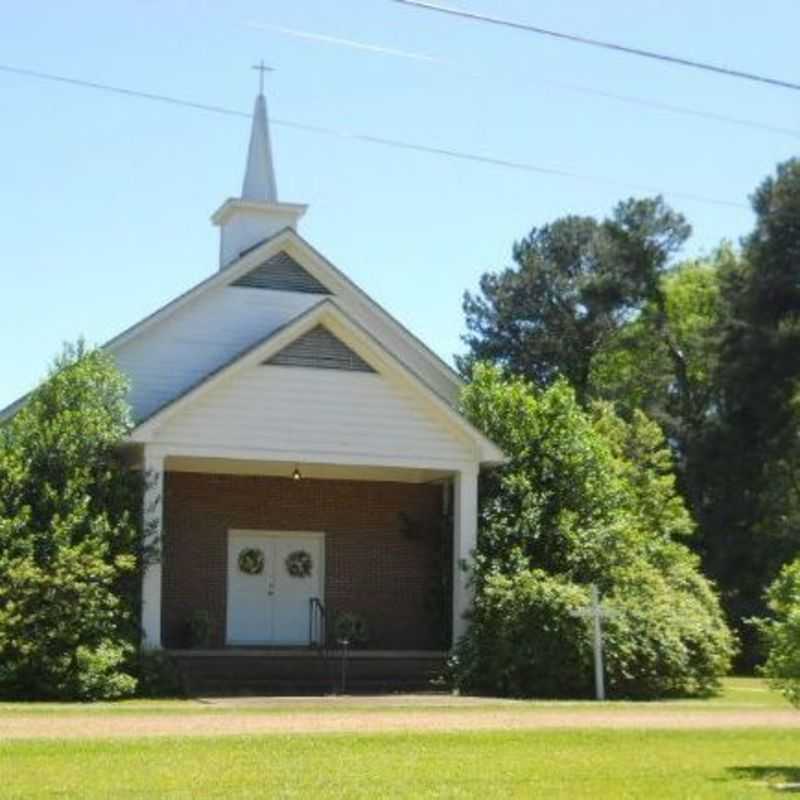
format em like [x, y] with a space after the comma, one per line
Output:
[321, 349]
[281, 272]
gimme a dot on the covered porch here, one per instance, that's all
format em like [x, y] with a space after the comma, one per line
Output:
[381, 542]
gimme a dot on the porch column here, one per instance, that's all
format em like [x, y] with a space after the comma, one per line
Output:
[465, 539]
[153, 517]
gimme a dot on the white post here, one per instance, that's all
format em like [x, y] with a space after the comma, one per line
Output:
[153, 468]
[596, 612]
[465, 539]
[599, 681]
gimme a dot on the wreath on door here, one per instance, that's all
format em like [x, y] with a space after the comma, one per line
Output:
[251, 561]
[299, 564]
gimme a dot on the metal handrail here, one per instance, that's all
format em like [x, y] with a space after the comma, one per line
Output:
[317, 623]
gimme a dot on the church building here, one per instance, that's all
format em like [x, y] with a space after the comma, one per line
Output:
[306, 460]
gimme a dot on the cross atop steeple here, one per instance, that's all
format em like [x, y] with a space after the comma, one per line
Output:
[262, 68]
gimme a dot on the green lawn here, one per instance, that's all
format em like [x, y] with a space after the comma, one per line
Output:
[573, 764]
[738, 693]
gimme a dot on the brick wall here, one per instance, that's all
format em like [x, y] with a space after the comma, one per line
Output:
[377, 566]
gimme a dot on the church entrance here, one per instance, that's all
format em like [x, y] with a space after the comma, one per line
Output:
[272, 576]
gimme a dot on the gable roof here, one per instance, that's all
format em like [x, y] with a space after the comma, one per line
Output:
[379, 328]
[319, 267]
[328, 314]
[214, 280]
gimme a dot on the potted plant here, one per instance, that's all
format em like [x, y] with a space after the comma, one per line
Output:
[351, 628]
[199, 629]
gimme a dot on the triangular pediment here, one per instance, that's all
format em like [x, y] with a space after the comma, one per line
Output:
[325, 336]
[319, 349]
[281, 272]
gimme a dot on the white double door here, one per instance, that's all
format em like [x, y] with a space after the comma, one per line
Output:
[271, 605]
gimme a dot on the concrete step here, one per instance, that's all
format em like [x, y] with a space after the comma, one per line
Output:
[294, 689]
[282, 674]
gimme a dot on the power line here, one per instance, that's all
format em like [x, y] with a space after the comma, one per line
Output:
[571, 37]
[684, 110]
[585, 90]
[400, 144]
[105, 87]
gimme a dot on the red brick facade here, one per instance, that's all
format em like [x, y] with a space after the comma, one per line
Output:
[383, 546]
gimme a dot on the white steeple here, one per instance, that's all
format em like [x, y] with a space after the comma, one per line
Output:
[259, 175]
[255, 216]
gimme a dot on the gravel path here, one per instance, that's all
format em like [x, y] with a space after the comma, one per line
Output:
[80, 725]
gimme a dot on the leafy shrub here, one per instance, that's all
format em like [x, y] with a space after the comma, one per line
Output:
[524, 640]
[58, 626]
[100, 672]
[668, 636]
[586, 497]
[158, 675]
[781, 633]
[70, 549]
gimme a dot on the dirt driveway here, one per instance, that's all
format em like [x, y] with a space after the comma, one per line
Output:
[221, 720]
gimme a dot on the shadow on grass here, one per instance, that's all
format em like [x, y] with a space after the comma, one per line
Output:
[782, 778]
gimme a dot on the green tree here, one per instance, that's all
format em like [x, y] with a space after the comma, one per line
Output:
[781, 632]
[667, 362]
[585, 498]
[710, 349]
[69, 537]
[751, 519]
[575, 284]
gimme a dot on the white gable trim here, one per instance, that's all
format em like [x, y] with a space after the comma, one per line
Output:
[328, 313]
[322, 269]
[318, 266]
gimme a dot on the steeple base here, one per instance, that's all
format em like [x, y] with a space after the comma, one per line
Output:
[245, 223]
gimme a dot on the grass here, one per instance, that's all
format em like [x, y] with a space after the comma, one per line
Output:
[745, 693]
[565, 763]
[737, 693]
[552, 764]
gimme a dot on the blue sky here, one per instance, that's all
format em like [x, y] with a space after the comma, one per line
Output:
[105, 200]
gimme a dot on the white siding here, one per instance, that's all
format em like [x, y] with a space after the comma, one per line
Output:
[167, 358]
[171, 356]
[302, 410]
